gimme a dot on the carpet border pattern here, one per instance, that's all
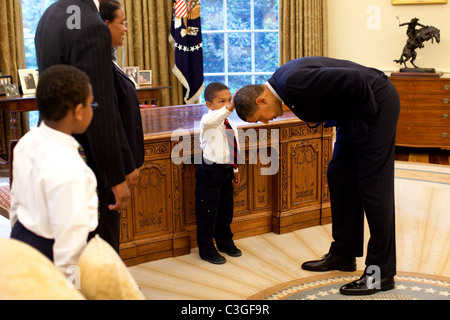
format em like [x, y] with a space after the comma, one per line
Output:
[289, 289]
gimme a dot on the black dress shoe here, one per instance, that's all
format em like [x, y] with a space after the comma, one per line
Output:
[232, 252]
[367, 285]
[330, 262]
[215, 259]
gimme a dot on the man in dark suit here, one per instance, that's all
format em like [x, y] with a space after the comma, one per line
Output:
[72, 32]
[365, 106]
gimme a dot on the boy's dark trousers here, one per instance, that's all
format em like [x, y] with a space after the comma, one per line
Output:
[214, 207]
[45, 246]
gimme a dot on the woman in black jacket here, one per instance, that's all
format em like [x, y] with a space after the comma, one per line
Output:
[132, 138]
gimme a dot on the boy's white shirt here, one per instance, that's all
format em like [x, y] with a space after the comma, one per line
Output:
[213, 136]
[54, 192]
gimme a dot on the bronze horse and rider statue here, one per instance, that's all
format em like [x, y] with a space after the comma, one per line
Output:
[416, 38]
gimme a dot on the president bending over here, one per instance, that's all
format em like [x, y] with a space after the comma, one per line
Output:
[365, 107]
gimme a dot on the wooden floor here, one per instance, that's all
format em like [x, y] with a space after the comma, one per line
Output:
[274, 261]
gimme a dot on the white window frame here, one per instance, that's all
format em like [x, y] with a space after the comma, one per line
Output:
[252, 31]
[30, 36]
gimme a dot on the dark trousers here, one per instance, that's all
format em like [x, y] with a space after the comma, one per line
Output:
[45, 246]
[361, 179]
[108, 229]
[109, 221]
[214, 207]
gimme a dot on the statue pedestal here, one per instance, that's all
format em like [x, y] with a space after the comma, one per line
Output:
[417, 73]
[418, 70]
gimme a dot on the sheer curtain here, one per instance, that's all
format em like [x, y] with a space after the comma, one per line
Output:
[303, 29]
[12, 58]
[147, 45]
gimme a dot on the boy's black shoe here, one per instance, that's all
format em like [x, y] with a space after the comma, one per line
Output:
[232, 252]
[215, 259]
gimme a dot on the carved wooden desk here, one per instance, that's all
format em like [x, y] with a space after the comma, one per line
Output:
[160, 220]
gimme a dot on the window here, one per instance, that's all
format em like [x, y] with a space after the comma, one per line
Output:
[32, 11]
[240, 41]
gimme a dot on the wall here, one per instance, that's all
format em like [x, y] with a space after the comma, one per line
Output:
[368, 32]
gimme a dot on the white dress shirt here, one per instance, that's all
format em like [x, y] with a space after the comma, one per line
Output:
[97, 4]
[273, 91]
[53, 192]
[213, 136]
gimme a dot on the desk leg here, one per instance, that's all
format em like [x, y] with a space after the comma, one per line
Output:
[13, 126]
[2, 162]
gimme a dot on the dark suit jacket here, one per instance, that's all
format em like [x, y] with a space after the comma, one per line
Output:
[319, 89]
[89, 49]
[130, 114]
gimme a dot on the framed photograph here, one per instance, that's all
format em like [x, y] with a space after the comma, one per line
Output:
[133, 74]
[145, 77]
[12, 90]
[418, 1]
[29, 80]
[4, 81]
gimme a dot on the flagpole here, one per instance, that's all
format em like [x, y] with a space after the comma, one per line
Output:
[186, 39]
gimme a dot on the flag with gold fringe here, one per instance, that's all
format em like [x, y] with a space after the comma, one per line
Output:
[186, 38]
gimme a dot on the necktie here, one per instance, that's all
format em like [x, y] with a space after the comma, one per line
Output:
[82, 153]
[232, 144]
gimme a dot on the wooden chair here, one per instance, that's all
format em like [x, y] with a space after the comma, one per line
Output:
[5, 191]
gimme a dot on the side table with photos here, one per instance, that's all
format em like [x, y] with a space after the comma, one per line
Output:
[25, 103]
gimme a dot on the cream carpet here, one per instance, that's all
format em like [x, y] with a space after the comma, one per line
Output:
[270, 265]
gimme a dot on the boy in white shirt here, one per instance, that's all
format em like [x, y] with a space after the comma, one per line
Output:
[216, 176]
[54, 204]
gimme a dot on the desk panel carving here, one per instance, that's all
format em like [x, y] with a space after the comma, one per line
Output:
[160, 220]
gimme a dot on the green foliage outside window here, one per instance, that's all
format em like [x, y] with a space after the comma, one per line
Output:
[240, 41]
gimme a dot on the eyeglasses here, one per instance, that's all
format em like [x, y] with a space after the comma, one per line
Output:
[125, 23]
[94, 105]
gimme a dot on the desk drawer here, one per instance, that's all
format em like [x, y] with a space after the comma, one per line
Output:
[424, 118]
[423, 136]
[422, 86]
[425, 101]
